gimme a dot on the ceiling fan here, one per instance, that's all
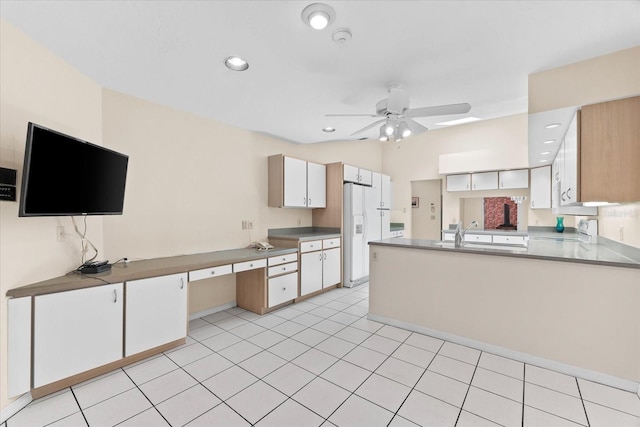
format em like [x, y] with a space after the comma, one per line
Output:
[397, 118]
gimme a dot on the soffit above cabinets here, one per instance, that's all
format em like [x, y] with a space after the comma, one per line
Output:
[539, 135]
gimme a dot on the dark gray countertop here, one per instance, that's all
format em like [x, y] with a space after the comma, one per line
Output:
[304, 233]
[603, 252]
[146, 268]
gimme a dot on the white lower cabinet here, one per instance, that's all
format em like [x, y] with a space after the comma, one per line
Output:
[282, 288]
[310, 272]
[481, 238]
[18, 346]
[319, 270]
[76, 331]
[156, 312]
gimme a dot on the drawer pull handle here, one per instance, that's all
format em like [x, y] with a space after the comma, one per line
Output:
[250, 265]
[284, 259]
[213, 272]
[115, 296]
[181, 283]
[284, 268]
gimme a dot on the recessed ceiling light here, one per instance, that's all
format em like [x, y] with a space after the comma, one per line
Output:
[328, 129]
[549, 141]
[236, 63]
[543, 160]
[318, 15]
[544, 153]
[459, 121]
[552, 126]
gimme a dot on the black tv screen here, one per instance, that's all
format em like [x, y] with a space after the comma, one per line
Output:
[63, 175]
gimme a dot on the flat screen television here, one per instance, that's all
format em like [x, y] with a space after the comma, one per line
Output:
[63, 175]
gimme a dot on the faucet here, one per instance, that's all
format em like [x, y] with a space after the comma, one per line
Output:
[460, 233]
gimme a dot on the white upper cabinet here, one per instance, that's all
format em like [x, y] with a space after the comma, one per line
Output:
[541, 188]
[459, 182]
[514, 179]
[382, 186]
[357, 175]
[484, 181]
[295, 183]
[385, 192]
[316, 185]
[569, 181]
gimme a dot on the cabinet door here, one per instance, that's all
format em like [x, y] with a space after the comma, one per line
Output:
[365, 177]
[376, 184]
[351, 174]
[18, 346]
[76, 331]
[569, 182]
[459, 182]
[316, 185]
[295, 182]
[484, 181]
[310, 272]
[385, 190]
[156, 312]
[385, 222]
[541, 188]
[514, 179]
[330, 267]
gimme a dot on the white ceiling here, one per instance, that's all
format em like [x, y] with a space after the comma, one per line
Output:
[443, 52]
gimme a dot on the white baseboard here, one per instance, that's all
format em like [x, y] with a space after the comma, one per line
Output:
[12, 408]
[209, 311]
[574, 371]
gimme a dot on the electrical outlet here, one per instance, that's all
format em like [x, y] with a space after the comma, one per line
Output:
[250, 224]
[60, 233]
[244, 224]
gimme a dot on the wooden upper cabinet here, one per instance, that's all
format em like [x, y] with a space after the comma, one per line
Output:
[610, 151]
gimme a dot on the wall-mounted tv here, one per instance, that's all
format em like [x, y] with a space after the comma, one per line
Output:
[63, 175]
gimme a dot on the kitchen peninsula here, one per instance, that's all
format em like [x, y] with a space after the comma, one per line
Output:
[560, 304]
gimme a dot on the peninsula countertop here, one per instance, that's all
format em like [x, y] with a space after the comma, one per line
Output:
[603, 252]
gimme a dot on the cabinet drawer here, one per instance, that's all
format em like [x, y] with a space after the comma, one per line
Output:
[510, 240]
[330, 243]
[284, 268]
[276, 260]
[205, 273]
[249, 265]
[282, 289]
[314, 245]
[448, 237]
[484, 238]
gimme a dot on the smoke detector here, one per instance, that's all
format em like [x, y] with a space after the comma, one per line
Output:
[342, 35]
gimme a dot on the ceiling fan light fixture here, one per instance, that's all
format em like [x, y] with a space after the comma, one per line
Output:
[318, 15]
[328, 129]
[383, 134]
[404, 130]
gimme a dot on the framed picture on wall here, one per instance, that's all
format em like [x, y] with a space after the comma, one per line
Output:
[415, 202]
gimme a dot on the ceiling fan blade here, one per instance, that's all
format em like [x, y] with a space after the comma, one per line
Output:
[351, 115]
[438, 110]
[368, 127]
[398, 101]
[415, 126]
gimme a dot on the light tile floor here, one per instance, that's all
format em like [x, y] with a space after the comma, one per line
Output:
[321, 362]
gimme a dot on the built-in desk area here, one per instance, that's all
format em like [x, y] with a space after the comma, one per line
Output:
[68, 329]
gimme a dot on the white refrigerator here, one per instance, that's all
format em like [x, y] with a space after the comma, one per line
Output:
[362, 224]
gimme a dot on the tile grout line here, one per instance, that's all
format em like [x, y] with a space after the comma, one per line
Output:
[468, 388]
[582, 401]
[145, 396]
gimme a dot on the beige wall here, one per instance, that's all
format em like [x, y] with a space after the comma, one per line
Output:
[37, 86]
[417, 158]
[426, 219]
